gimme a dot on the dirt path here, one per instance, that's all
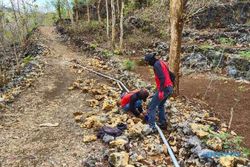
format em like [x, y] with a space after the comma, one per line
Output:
[22, 141]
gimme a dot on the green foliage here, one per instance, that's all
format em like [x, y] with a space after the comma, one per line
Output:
[129, 65]
[107, 53]
[231, 142]
[246, 152]
[245, 54]
[117, 52]
[92, 26]
[94, 45]
[27, 59]
[227, 41]
[206, 46]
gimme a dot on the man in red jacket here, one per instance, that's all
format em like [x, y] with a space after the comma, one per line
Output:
[164, 90]
[132, 102]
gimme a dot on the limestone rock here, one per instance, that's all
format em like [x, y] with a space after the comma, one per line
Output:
[213, 119]
[108, 105]
[107, 138]
[199, 129]
[118, 143]
[78, 118]
[227, 161]
[92, 122]
[93, 102]
[89, 138]
[215, 144]
[119, 159]
[135, 130]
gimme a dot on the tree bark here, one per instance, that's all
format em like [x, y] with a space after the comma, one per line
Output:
[98, 11]
[107, 18]
[113, 24]
[58, 6]
[88, 13]
[118, 7]
[69, 12]
[26, 17]
[121, 26]
[76, 11]
[16, 20]
[176, 22]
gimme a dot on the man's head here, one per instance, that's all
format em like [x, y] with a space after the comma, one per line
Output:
[150, 58]
[143, 94]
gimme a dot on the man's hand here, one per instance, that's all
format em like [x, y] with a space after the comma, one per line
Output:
[161, 95]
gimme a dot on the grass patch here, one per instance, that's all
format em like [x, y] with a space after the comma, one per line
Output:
[107, 53]
[27, 59]
[206, 47]
[231, 142]
[245, 54]
[227, 41]
[129, 65]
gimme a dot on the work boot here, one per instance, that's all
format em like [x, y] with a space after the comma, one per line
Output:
[148, 130]
[163, 126]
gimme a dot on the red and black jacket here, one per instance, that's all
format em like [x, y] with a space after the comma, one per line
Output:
[131, 98]
[162, 77]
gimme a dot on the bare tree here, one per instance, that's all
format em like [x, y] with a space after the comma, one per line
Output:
[58, 8]
[16, 20]
[113, 24]
[107, 17]
[118, 7]
[25, 17]
[98, 10]
[69, 11]
[76, 10]
[121, 26]
[88, 12]
[176, 22]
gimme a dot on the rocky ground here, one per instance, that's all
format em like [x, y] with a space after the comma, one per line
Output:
[55, 119]
[194, 132]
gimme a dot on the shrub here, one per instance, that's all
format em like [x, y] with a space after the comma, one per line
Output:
[129, 65]
[245, 54]
[227, 41]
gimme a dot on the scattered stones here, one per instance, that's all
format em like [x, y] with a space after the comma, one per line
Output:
[119, 159]
[93, 102]
[199, 129]
[215, 144]
[108, 105]
[227, 161]
[119, 143]
[107, 138]
[89, 138]
[135, 130]
[92, 122]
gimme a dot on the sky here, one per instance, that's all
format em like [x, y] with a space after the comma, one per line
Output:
[42, 4]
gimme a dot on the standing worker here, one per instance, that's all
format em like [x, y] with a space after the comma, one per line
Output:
[164, 90]
[132, 102]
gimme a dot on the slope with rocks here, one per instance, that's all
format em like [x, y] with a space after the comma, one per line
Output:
[194, 133]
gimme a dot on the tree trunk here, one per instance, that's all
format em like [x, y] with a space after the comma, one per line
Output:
[107, 16]
[121, 26]
[176, 22]
[118, 7]
[58, 6]
[26, 16]
[69, 12]
[88, 13]
[76, 11]
[16, 20]
[113, 24]
[98, 10]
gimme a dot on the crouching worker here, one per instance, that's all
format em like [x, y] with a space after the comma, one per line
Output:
[132, 102]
